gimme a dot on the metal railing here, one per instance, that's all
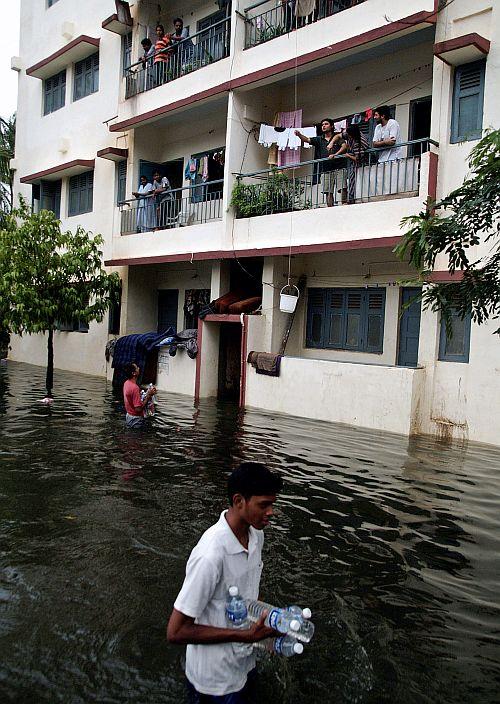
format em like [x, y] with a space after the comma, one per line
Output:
[183, 57]
[268, 19]
[179, 207]
[307, 185]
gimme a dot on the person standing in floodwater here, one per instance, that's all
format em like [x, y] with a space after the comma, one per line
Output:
[134, 407]
[229, 553]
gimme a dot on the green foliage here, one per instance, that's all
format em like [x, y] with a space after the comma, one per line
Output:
[49, 275]
[278, 193]
[7, 144]
[454, 226]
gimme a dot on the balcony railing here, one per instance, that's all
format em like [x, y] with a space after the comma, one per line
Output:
[303, 186]
[268, 19]
[195, 52]
[180, 207]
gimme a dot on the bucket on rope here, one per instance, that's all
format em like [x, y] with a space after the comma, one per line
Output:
[288, 301]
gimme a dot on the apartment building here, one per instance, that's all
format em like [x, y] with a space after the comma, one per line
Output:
[246, 215]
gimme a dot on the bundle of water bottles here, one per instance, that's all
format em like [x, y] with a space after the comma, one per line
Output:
[292, 622]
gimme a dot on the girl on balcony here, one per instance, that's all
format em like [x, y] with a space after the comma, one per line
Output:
[353, 148]
[161, 55]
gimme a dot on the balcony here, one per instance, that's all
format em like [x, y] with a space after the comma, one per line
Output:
[263, 23]
[181, 207]
[191, 54]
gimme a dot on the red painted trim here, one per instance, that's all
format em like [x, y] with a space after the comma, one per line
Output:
[325, 52]
[433, 173]
[86, 163]
[437, 277]
[472, 39]
[103, 153]
[222, 318]
[243, 372]
[199, 340]
[44, 62]
[371, 243]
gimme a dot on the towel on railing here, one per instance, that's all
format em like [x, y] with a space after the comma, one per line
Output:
[265, 363]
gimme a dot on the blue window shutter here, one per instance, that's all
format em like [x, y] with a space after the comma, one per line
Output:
[126, 52]
[373, 333]
[455, 348]
[81, 189]
[467, 112]
[121, 175]
[353, 323]
[336, 318]
[316, 301]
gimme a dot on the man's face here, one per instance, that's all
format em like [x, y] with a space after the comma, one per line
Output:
[257, 510]
[144, 180]
[156, 176]
[326, 126]
[377, 117]
[136, 372]
[146, 46]
[178, 27]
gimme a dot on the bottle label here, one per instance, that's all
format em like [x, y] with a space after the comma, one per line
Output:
[278, 645]
[236, 617]
[273, 618]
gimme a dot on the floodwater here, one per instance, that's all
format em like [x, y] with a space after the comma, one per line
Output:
[394, 544]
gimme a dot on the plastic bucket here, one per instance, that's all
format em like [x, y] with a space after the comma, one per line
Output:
[288, 302]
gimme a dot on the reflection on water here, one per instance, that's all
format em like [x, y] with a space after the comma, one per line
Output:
[394, 544]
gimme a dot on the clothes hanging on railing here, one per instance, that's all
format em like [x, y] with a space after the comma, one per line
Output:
[284, 137]
[340, 125]
[292, 118]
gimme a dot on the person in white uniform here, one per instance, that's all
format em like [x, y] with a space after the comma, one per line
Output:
[387, 134]
[228, 553]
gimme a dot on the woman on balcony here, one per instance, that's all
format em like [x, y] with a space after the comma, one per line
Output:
[162, 55]
[146, 220]
[354, 148]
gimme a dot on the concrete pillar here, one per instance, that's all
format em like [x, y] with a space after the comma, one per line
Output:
[220, 278]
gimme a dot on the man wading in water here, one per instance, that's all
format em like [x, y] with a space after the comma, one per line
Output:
[228, 553]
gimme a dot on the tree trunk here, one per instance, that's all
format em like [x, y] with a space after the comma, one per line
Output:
[49, 379]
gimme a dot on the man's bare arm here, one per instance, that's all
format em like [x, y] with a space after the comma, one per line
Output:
[182, 630]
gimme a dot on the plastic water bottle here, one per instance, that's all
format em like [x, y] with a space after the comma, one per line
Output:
[237, 617]
[285, 645]
[282, 620]
[299, 612]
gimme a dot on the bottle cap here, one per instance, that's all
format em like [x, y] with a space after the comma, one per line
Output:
[306, 613]
[294, 625]
[298, 648]
[233, 591]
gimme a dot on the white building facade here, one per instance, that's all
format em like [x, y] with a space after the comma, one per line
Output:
[93, 118]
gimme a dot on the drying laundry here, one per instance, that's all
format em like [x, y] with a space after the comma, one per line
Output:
[283, 137]
[340, 125]
[294, 141]
[303, 8]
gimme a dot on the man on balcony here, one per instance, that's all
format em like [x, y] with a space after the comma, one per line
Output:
[327, 167]
[387, 134]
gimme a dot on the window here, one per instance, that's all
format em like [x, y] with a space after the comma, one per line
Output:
[168, 305]
[346, 319]
[51, 2]
[456, 347]
[126, 52]
[194, 300]
[467, 111]
[114, 317]
[54, 92]
[73, 326]
[121, 181]
[80, 193]
[50, 196]
[86, 77]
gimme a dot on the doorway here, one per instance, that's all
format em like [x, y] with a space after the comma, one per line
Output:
[420, 124]
[168, 306]
[409, 327]
[173, 170]
[229, 373]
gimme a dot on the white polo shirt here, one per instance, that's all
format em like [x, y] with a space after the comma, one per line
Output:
[389, 131]
[217, 562]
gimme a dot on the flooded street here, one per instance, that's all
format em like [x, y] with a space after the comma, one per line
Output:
[393, 543]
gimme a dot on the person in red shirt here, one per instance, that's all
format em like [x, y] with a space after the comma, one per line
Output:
[134, 407]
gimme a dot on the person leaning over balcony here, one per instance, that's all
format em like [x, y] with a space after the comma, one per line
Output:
[354, 149]
[163, 198]
[161, 54]
[147, 62]
[387, 134]
[180, 34]
[326, 168]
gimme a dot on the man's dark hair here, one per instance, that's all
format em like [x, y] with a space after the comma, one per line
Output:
[253, 479]
[160, 26]
[384, 111]
[146, 41]
[179, 19]
[129, 369]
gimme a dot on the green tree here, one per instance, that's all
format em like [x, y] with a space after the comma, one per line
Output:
[7, 144]
[47, 276]
[465, 218]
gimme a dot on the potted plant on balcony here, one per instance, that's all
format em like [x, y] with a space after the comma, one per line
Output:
[278, 193]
